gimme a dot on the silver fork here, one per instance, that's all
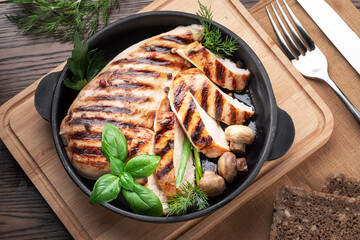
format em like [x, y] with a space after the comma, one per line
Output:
[312, 63]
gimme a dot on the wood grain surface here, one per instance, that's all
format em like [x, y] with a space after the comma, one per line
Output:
[24, 214]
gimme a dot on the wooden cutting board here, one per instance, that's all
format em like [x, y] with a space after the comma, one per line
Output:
[29, 139]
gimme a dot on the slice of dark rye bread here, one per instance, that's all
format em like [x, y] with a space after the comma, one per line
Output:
[339, 184]
[305, 214]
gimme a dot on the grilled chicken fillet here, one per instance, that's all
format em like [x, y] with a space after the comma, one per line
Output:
[126, 93]
[221, 71]
[202, 130]
[215, 102]
[169, 138]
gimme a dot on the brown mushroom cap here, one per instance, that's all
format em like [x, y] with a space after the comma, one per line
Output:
[239, 133]
[227, 166]
[212, 184]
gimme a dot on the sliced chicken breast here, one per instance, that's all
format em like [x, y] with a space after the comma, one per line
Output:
[202, 130]
[221, 71]
[215, 102]
[126, 93]
[169, 138]
[142, 144]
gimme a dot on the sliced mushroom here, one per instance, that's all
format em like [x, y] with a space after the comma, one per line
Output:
[239, 135]
[211, 183]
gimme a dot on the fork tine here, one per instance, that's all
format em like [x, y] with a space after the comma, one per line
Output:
[301, 29]
[292, 30]
[280, 37]
[286, 33]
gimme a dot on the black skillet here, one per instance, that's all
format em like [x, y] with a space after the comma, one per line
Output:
[273, 126]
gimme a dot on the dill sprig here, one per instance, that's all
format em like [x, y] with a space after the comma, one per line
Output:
[62, 18]
[188, 196]
[212, 38]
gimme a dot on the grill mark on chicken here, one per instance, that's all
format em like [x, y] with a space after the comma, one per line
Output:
[102, 121]
[207, 71]
[131, 85]
[86, 135]
[220, 72]
[165, 170]
[135, 149]
[125, 97]
[177, 39]
[88, 151]
[131, 72]
[218, 104]
[169, 145]
[189, 113]
[204, 142]
[204, 95]
[192, 52]
[196, 134]
[166, 125]
[101, 108]
[142, 181]
[158, 48]
[146, 60]
[179, 93]
[234, 82]
[233, 115]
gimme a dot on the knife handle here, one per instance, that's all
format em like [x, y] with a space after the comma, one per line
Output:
[355, 112]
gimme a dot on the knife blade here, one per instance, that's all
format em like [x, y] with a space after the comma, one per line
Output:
[334, 27]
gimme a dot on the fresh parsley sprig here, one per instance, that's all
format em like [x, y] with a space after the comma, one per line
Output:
[188, 196]
[211, 37]
[121, 179]
[83, 64]
[62, 18]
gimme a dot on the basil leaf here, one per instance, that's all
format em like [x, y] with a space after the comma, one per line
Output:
[106, 189]
[142, 166]
[113, 143]
[143, 201]
[116, 166]
[126, 181]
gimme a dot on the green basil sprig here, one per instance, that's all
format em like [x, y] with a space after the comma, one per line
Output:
[140, 199]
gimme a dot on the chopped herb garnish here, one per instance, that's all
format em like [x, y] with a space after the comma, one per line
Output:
[188, 196]
[212, 38]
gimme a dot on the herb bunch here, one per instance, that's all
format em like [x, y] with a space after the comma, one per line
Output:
[83, 64]
[121, 180]
[212, 38]
[62, 18]
[188, 196]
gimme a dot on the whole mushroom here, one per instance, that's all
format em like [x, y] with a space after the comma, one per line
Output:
[239, 135]
[211, 183]
[229, 166]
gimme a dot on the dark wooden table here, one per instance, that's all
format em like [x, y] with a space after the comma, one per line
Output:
[24, 214]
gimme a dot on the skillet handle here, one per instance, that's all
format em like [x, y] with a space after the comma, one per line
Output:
[284, 137]
[44, 94]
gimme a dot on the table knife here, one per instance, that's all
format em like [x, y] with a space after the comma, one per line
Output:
[334, 27]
